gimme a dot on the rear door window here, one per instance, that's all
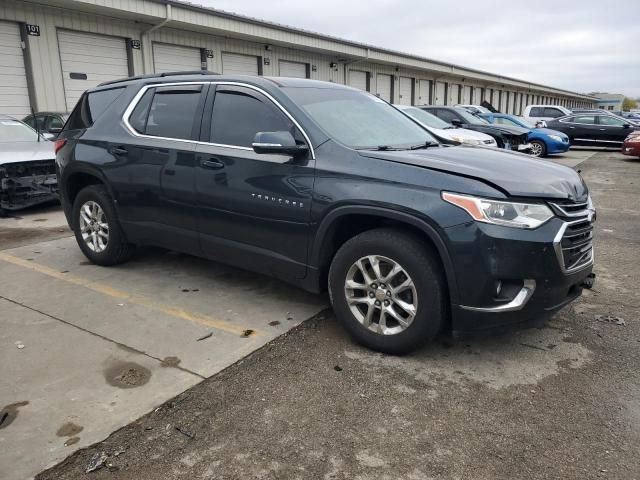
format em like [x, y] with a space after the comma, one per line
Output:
[536, 112]
[239, 113]
[173, 112]
[446, 115]
[552, 112]
[584, 119]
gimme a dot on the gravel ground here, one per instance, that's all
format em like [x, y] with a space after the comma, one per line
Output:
[562, 402]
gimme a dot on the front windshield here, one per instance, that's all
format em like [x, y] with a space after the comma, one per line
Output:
[358, 119]
[15, 131]
[426, 118]
[470, 118]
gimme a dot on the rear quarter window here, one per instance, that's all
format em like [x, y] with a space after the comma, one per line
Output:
[90, 106]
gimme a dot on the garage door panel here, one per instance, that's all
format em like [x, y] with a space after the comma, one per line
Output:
[238, 64]
[383, 86]
[100, 58]
[358, 79]
[405, 91]
[14, 93]
[293, 69]
[174, 58]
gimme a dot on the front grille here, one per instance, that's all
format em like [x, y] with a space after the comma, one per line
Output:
[574, 242]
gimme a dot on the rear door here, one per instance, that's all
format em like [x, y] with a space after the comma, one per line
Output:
[582, 129]
[154, 169]
[254, 209]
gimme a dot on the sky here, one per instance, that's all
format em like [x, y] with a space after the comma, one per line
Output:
[578, 45]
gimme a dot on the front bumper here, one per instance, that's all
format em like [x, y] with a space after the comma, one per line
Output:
[525, 263]
[553, 146]
[23, 184]
[631, 149]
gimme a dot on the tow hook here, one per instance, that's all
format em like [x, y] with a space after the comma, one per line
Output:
[589, 281]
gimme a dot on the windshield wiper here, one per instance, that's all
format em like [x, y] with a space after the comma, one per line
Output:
[424, 145]
[381, 148]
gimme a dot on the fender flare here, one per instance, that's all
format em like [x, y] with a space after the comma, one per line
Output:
[315, 252]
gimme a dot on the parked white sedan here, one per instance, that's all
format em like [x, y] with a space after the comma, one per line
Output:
[444, 130]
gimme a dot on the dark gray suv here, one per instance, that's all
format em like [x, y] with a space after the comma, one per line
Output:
[325, 186]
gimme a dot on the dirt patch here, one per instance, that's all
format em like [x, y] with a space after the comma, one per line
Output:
[170, 361]
[9, 413]
[127, 375]
[69, 429]
[15, 237]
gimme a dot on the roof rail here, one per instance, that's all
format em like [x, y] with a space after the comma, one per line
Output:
[157, 75]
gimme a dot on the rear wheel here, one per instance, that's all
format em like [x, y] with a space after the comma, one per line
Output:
[97, 229]
[387, 289]
[538, 148]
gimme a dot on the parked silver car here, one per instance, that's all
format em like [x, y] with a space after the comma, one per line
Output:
[27, 166]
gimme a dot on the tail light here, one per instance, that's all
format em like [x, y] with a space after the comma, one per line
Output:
[58, 144]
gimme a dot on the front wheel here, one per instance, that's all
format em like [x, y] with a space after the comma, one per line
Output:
[538, 148]
[96, 227]
[387, 289]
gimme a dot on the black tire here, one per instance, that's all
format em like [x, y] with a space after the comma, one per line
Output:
[543, 148]
[422, 267]
[117, 250]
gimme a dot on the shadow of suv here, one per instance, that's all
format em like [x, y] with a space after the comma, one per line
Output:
[326, 186]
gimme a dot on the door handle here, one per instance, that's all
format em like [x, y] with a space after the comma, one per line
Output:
[211, 164]
[602, 129]
[119, 151]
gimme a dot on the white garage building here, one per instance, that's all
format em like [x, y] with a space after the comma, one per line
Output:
[50, 54]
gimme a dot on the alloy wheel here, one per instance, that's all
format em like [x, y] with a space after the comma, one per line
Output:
[94, 227]
[536, 149]
[381, 294]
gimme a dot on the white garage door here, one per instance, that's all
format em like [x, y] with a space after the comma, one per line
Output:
[406, 87]
[466, 96]
[89, 59]
[424, 87]
[175, 58]
[293, 69]
[440, 93]
[477, 96]
[383, 86]
[14, 94]
[454, 94]
[358, 79]
[236, 64]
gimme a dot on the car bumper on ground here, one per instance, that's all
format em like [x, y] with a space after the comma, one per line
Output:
[499, 292]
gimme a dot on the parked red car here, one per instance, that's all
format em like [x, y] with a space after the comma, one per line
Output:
[631, 145]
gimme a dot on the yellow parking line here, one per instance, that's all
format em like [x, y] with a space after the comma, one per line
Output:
[134, 299]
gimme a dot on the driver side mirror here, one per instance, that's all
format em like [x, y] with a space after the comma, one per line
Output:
[456, 122]
[626, 125]
[281, 143]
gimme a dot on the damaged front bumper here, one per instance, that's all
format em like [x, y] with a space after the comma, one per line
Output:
[23, 184]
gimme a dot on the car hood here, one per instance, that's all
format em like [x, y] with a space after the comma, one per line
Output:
[514, 174]
[513, 130]
[11, 152]
[549, 131]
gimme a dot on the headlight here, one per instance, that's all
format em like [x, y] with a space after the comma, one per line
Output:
[499, 212]
[557, 138]
[633, 139]
[466, 141]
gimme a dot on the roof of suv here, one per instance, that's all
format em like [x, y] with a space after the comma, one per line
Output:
[204, 75]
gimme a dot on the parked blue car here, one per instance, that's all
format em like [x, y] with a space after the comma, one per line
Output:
[544, 141]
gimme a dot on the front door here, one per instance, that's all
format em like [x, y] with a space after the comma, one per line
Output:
[254, 208]
[613, 130]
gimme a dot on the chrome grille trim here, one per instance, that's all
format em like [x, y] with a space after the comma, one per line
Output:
[580, 254]
[572, 209]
